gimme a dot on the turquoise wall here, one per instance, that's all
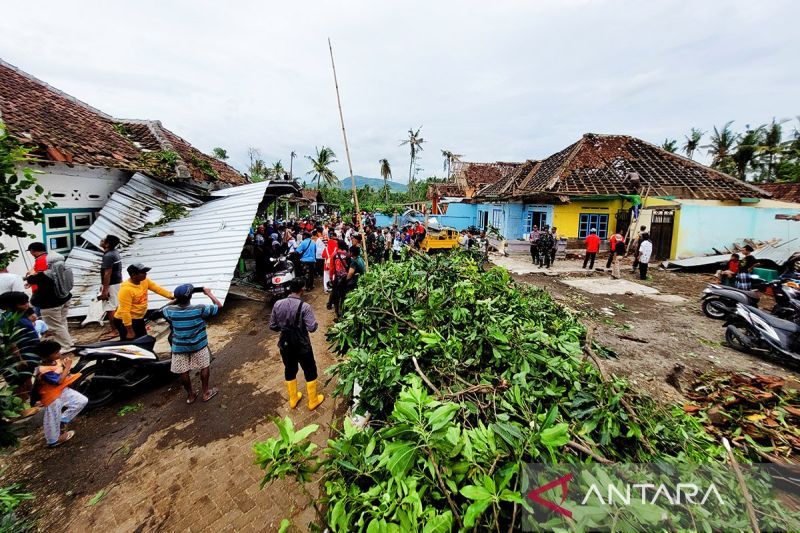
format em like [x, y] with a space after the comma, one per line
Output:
[705, 227]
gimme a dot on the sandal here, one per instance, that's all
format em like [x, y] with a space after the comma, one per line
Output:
[62, 439]
[193, 398]
[213, 392]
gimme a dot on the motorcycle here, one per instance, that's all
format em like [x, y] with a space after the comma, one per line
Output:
[277, 282]
[752, 330]
[110, 368]
[719, 301]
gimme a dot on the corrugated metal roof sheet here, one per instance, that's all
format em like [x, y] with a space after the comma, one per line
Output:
[777, 253]
[201, 248]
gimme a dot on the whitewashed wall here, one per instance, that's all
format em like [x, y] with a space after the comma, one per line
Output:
[71, 188]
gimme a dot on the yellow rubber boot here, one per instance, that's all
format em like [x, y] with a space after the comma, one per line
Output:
[314, 399]
[294, 396]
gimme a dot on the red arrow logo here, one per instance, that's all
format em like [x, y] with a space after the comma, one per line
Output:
[563, 483]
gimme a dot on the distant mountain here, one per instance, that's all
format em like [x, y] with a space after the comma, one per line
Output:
[375, 183]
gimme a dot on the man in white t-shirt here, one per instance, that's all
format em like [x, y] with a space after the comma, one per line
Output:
[645, 251]
[10, 282]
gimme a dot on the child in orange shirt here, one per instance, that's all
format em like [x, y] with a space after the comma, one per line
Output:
[61, 404]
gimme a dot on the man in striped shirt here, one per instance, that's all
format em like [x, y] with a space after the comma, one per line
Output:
[189, 339]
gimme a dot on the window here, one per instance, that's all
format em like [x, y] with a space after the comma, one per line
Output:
[63, 228]
[56, 222]
[58, 244]
[588, 221]
[497, 218]
[483, 219]
[534, 218]
[81, 220]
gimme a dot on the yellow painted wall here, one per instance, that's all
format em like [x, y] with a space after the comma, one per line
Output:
[567, 217]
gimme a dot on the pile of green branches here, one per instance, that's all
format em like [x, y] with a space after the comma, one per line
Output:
[467, 377]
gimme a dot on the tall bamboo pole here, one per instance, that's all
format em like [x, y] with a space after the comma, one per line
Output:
[346, 146]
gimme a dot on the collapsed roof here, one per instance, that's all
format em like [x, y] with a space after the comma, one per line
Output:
[182, 238]
[601, 165]
[61, 128]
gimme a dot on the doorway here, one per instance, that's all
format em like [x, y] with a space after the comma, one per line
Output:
[661, 226]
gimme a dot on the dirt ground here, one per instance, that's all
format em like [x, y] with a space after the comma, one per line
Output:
[170, 466]
[661, 346]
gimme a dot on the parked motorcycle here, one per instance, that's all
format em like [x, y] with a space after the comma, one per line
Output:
[752, 330]
[719, 301]
[277, 281]
[111, 368]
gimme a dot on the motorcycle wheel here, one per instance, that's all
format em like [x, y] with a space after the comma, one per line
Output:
[714, 308]
[98, 394]
[734, 342]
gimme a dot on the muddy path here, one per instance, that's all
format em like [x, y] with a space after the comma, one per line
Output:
[170, 466]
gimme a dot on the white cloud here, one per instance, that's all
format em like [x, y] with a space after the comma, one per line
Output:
[494, 81]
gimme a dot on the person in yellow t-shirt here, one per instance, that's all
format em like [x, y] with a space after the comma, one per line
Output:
[132, 306]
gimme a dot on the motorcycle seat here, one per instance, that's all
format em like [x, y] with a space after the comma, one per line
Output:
[144, 341]
[778, 323]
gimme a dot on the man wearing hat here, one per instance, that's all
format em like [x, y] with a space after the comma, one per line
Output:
[592, 243]
[189, 339]
[129, 318]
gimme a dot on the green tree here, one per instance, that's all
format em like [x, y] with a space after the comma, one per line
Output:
[22, 199]
[720, 148]
[692, 142]
[670, 145]
[414, 143]
[744, 157]
[220, 153]
[386, 174]
[276, 170]
[320, 166]
[772, 150]
[257, 169]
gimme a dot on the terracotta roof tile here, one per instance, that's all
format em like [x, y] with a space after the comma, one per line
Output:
[602, 165]
[788, 192]
[477, 175]
[61, 128]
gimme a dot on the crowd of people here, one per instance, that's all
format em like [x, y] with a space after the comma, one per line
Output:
[544, 244]
[640, 249]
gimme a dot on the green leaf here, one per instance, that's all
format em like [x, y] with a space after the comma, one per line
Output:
[556, 436]
[399, 457]
[474, 511]
[305, 432]
[476, 492]
[442, 523]
[442, 416]
[285, 524]
[98, 496]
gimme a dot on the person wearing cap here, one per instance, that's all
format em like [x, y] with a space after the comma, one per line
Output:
[189, 340]
[592, 247]
[129, 318]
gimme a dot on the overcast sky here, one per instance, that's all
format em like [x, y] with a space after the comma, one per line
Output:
[501, 81]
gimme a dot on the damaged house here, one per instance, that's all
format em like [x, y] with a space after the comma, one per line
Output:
[611, 182]
[131, 178]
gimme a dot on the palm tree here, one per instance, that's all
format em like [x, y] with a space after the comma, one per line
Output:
[320, 166]
[692, 141]
[771, 149]
[670, 145]
[721, 146]
[746, 148]
[449, 159]
[414, 143]
[277, 170]
[386, 174]
[291, 160]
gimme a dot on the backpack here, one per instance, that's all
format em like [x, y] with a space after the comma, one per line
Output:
[61, 274]
[619, 248]
[339, 266]
[294, 337]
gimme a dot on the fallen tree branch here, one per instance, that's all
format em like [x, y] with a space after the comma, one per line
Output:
[424, 377]
[586, 450]
[748, 500]
[634, 339]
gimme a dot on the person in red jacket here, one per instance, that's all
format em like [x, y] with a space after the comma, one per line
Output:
[592, 247]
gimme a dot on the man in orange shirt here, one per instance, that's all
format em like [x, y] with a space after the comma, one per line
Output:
[592, 247]
[129, 318]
